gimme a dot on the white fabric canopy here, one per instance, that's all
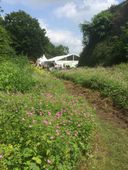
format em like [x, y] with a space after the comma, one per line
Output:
[60, 57]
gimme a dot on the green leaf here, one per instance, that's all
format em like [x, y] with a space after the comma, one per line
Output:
[33, 166]
[37, 160]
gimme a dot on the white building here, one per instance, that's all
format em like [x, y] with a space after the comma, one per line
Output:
[70, 60]
[41, 60]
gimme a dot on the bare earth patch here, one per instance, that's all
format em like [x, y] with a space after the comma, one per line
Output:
[103, 106]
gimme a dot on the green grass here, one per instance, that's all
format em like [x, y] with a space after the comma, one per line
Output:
[111, 82]
[44, 127]
[111, 151]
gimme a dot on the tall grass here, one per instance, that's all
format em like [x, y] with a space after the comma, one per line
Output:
[111, 82]
[15, 74]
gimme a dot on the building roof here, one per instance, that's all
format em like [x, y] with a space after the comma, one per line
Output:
[61, 57]
[43, 58]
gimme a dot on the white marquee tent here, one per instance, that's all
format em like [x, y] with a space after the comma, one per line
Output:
[70, 60]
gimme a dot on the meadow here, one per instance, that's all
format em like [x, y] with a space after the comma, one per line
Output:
[42, 127]
[111, 81]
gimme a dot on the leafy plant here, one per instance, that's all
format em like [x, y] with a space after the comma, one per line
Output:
[15, 75]
[45, 128]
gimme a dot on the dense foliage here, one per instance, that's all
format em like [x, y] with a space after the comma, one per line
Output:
[43, 129]
[27, 36]
[111, 82]
[53, 50]
[15, 74]
[105, 39]
[5, 42]
[21, 33]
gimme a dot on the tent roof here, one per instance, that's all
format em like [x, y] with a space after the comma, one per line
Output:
[61, 57]
[43, 58]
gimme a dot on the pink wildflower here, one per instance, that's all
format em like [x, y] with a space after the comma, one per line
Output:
[29, 113]
[76, 133]
[68, 133]
[41, 113]
[78, 125]
[58, 127]
[57, 132]
[48, 161]
[1, 156]
[58, 114]
[45, 122]
[49, 113]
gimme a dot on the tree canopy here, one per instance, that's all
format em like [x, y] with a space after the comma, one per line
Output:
[105, 38]
[27, 36]
[5, 42]
[53, 50]
[99, 27]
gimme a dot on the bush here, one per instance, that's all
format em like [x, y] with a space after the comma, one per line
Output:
[15, 75]
[5, 43]
[111, 82]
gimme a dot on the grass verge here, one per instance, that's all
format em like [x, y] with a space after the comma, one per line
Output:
[111, 150]
[111, 82]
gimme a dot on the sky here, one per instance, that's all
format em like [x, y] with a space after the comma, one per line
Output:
[60, 18]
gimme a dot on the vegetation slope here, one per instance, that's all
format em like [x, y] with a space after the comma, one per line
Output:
[105, 38]
[41, 127]
[111, 82]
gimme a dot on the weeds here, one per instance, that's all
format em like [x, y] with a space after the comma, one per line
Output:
[111, 82]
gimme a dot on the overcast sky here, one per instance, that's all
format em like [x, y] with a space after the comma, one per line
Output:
[61, 18]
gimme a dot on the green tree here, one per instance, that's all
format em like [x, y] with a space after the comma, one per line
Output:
[53, 50]
[1, 19]
[27, 36]
[61, 50]
[98, 29]
[93, 33]
[105, 38]
[5, 42]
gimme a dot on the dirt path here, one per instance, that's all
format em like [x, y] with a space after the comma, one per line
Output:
[103, 106]
[111, 145]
